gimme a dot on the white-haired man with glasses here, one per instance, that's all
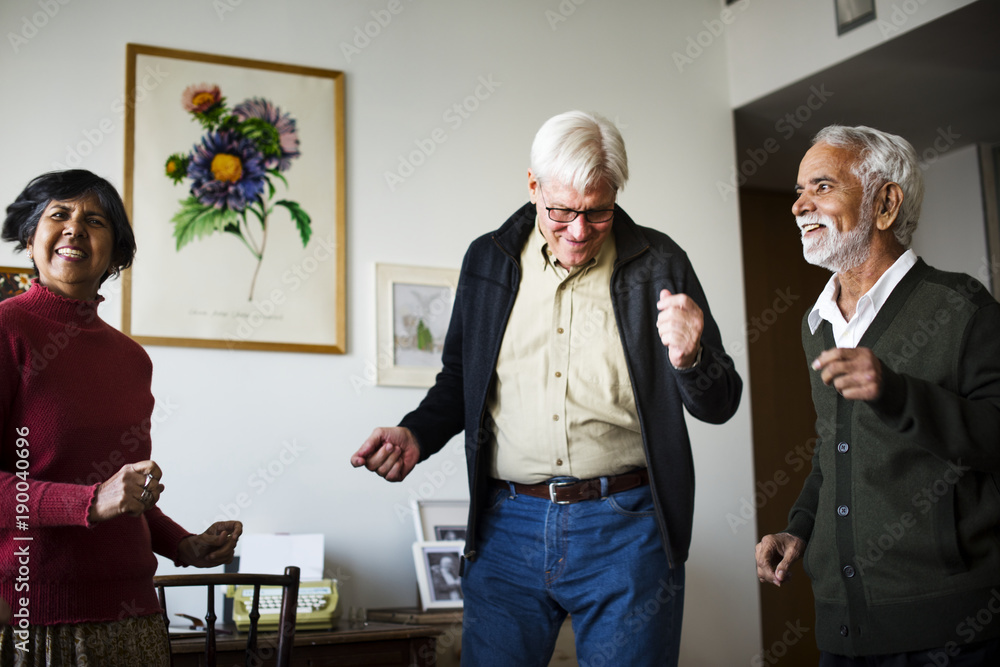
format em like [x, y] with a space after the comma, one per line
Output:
[899, 521]
[577, 340]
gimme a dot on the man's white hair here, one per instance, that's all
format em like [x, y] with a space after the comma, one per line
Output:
[580, 150]
[882, 158]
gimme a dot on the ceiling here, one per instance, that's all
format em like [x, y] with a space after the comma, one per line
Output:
[937, 86]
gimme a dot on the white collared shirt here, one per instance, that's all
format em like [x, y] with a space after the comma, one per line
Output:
[847, 334]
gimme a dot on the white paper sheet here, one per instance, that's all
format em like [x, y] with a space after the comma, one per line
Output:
[272, 553]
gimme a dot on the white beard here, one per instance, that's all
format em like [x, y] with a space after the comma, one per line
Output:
[833, 249]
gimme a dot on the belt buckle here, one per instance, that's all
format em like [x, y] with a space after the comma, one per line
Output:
[552, 492]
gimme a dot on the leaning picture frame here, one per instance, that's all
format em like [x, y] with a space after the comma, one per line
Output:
[440, 520]
[413, 311]
[438, 580]
[234, 184]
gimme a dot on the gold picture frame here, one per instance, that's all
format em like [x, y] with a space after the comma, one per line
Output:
[235, 184]
[414, 309]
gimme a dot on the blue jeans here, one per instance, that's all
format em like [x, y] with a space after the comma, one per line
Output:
[600, 561]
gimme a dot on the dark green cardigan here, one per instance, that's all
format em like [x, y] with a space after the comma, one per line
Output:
[902, 509]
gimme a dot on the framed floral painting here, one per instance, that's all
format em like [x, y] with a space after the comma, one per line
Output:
[234, 183]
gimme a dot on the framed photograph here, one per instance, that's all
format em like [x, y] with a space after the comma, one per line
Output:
[437, 520]
[852, 13]
[234, 183]
[414, 309]
[437, 574]
[14, 280]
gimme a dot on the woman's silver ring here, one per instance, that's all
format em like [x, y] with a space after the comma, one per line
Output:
[145, 495]
[149, 478]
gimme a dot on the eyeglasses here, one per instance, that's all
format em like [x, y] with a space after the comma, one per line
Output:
[569, 215]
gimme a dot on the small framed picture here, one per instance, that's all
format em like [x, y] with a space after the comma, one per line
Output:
[437, 574]
[414, 309]
[440, 520]
[14, 280]
[852, 13]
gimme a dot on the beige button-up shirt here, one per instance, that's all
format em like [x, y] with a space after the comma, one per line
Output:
[561, 401]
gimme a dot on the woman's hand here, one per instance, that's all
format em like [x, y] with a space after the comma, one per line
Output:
[132, 490]
[213, 547]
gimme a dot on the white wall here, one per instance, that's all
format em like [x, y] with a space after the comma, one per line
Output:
[952, 230]
[226, 415]
[772, 44]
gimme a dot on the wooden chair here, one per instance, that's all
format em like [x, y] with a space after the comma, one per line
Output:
[286, 624]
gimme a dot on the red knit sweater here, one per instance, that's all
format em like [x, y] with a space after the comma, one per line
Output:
[75, 397]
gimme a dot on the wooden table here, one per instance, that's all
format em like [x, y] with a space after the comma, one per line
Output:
[378, 644]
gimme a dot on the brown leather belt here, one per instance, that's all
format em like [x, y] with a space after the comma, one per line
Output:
[564, 493]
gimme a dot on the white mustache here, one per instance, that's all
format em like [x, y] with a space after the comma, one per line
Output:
[807, 219]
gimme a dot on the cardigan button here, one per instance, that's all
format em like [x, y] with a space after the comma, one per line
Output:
[848, 571]
[844, 631]
[843, 447]
[843, 510]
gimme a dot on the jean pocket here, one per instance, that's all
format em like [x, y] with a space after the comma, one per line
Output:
[634, 502]
[495, 498]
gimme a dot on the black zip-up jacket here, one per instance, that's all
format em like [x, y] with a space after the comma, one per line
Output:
[648, 261]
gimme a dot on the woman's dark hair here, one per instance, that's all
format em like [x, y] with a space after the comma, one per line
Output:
[23, 215]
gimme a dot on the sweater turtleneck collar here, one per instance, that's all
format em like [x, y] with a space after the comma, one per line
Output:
[50, 305]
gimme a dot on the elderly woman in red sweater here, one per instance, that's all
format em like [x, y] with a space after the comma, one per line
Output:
[76, 559]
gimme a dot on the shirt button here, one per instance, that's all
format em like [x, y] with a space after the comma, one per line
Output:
[848, 571]
[559, 330]
[558, 462]
[842, 510]
[843, 447]
[555, 418]
[844, 631]
[558, 374]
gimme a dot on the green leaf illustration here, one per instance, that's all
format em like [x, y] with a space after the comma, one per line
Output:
[425, 339]
[196, 220]
[301, 218]
[263, 134]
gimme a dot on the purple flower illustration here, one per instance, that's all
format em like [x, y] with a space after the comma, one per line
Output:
[226, 171]
[288, 136]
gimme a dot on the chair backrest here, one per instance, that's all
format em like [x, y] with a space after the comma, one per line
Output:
[289, 581]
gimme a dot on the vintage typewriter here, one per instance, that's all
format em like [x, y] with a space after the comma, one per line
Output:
[317, 606]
